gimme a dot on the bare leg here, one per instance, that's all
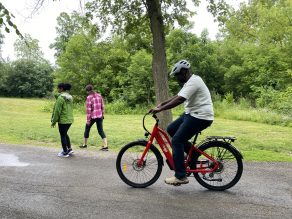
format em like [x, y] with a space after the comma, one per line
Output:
[85, 141]
[104, 142]
[84, 144]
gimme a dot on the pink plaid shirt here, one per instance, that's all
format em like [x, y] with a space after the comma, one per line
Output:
[94, 106]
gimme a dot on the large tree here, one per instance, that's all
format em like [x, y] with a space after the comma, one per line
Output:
[137, 17]
[128, 16]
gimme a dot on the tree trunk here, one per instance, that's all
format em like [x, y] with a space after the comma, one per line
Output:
[159, 66]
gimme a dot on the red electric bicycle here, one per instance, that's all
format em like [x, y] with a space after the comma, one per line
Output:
[215, 163]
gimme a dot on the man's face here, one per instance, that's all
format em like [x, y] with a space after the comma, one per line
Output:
[181, 78]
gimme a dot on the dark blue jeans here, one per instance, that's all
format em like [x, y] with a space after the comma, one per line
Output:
[65, 140]
[182, 130]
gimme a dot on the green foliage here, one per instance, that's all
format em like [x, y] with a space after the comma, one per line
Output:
[78, 64]
[126, 16]
[30, 75]
[255, 55]
[6, 20]
[242, 110]
[228, 98]
[87, 62]
[69, 25]
[251, 65]
[29, 78]
[1, 42]
[277, 100]
[5, 70]
[121, 107]
[28, 48]
[138, 85]
[200, 52]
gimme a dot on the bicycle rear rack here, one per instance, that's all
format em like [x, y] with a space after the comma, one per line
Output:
[224, 138]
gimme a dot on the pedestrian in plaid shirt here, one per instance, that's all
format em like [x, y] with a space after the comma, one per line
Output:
[94, 114]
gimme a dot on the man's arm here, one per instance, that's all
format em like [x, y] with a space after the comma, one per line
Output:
[173, 102]
[167, 101]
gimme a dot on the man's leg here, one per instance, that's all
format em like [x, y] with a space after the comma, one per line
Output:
[173, 127]
[186, 131]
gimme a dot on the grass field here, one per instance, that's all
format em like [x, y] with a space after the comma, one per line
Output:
[23, 121]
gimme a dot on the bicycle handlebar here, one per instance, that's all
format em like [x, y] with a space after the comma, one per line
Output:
[154, 116]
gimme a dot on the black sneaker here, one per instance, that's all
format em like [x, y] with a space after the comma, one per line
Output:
[104, 149]
[83, 146]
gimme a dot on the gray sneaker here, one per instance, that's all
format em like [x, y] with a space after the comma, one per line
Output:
[70, 151]
[175, 181]
[63, 154]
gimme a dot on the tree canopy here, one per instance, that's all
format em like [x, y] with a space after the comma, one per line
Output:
[251, 59]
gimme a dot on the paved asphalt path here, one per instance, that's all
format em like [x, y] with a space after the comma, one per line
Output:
[35, 183]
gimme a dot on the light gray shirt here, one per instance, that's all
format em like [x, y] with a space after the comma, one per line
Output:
[198, 101]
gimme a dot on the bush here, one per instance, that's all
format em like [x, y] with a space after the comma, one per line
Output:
[29, 78]
[280, 101]
[242, 111]
[121, 107]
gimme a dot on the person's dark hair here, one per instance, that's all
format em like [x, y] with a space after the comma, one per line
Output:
[89, 87]
[64, 86]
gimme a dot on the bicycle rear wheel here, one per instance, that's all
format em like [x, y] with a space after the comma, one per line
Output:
[133, 174]
[229, 170]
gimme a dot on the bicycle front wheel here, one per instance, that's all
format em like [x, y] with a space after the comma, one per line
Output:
[139, 176]
[229, 170]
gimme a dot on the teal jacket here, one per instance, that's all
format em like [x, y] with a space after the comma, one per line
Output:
[63, 109]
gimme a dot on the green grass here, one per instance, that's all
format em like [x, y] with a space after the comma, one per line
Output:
[23, 121]
[247, 113]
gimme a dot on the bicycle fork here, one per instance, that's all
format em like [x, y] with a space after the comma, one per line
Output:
[159, 136]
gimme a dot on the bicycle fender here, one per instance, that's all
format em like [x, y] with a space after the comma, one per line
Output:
[142, 141]
[234, 149]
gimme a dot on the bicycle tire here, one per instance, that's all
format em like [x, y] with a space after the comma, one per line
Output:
[232, 152]
[131, 164]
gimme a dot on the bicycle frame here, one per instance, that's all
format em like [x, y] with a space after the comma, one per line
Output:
[158, 134]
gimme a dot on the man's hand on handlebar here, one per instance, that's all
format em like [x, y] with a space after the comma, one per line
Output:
[155, 110]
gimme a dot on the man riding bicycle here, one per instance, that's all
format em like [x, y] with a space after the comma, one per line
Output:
[198, 115]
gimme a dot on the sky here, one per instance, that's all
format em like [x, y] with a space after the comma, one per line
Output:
[41, 25]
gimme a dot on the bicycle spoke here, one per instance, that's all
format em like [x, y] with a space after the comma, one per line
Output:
[226, 170]
[135, 173]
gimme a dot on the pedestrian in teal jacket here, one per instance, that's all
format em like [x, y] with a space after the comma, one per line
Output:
[63, 115]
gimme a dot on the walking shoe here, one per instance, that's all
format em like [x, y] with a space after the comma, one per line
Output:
[63, 154]
[175, 181]
[104, 149]
[70, 151]
[83, 146]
